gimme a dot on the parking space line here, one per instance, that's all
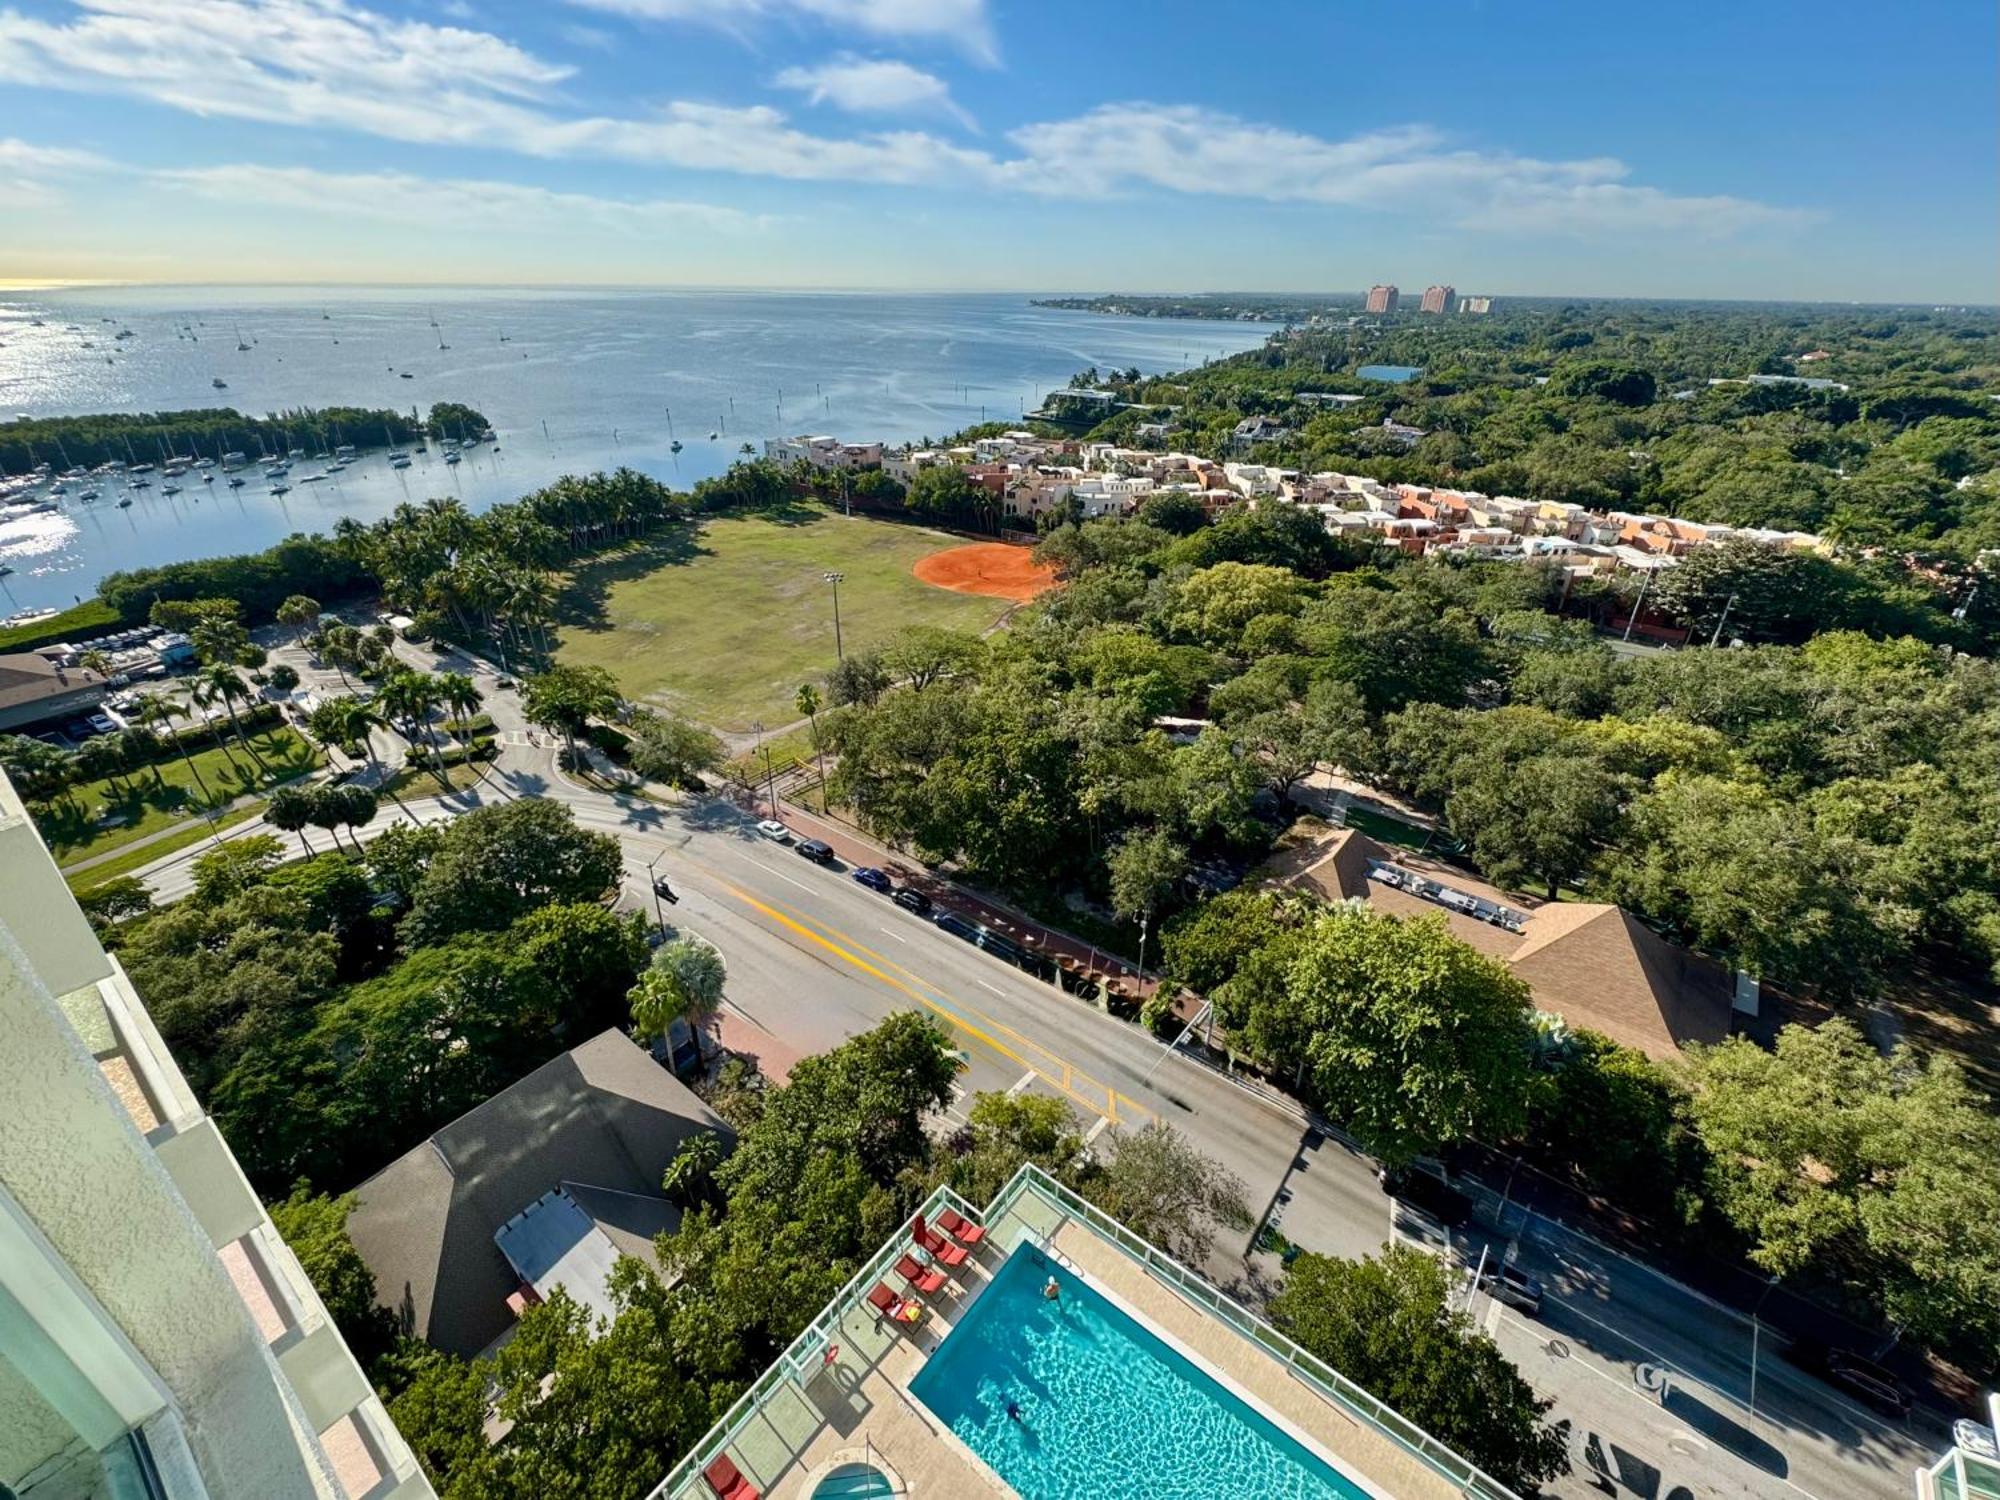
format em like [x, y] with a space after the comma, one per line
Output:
[898, 937]
[782, 876]
[996, 989]
[1022, 1082]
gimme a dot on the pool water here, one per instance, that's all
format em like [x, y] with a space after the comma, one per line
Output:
[1107, 1410]
[854, 1482]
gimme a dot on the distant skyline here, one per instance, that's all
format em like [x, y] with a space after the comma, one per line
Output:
[1773, 152]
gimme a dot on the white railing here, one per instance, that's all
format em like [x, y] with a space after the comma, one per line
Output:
[1326, 1381]
[801, 1356]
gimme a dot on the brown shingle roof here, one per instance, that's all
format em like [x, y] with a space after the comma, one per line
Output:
[1599, 966]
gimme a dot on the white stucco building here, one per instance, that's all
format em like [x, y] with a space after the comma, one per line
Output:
[158, 1340]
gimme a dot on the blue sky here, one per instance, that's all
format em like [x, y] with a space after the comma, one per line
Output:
[1775, 149]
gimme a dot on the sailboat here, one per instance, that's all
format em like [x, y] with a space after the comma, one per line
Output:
[674, 445]
[241, 347]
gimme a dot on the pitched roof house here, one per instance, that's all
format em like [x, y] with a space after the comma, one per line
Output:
[544, 1184]
[1594, 965]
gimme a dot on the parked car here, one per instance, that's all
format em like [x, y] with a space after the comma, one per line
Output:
[912, 900]
[873, 878]
[1854, 1373]
[1005, 949]
[817, 850]
[957, 926]
[1427, 1192]
[775, 831]
[1513, 1286]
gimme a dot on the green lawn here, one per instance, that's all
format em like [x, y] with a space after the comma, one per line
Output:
[138, 856]
[724, 620]
[100, 816]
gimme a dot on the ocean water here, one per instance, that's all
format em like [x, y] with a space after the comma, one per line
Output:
[571, 380]
[1106, 1409]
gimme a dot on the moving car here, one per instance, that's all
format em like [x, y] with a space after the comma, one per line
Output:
[817, 850]
[912, 900]
[775, 831]
[1428, 1193]
[1854, 1373]
[874, 879]
[1514, 1287]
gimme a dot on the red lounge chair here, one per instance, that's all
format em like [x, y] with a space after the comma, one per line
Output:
[961, 1228]
[883, 1300]
[728, 1482]
[940, 1249]
[924, 1281]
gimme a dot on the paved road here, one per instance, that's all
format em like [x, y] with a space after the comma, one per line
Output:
[814, 958]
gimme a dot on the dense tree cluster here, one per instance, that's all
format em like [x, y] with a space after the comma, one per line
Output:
[333, 1011]
[210, 432]
[1625, 406]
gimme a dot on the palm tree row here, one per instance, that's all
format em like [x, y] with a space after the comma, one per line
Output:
[488, 576]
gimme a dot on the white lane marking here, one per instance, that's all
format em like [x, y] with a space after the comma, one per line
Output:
[1103, 1121]
[897, 936]
[1022, 1082]
[782, 876]
[995, 988]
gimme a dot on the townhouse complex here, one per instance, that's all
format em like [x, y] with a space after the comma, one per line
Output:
[1032, 476]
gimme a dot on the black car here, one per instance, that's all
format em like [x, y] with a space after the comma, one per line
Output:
[913, 900]
[1005, 949]
[874, 879]
[957, 926]
[816, 850]
[1428, 1192]
[1854, 1373]
[1513, 1286]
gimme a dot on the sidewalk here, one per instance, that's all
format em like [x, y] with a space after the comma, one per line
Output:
[1070, 951]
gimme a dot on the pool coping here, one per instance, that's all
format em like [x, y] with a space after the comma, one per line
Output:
[866, 1454]
[1026, 1239]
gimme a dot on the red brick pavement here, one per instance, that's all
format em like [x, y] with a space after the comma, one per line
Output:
[856, 848]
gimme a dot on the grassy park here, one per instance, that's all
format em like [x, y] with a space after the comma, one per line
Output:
[726, 619]
[99, 816]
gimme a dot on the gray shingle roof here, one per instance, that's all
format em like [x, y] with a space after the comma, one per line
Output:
[603, 1116]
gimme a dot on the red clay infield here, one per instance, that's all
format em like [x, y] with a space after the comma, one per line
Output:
[992, 568]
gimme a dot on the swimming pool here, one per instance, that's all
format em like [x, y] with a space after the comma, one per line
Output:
[1106, 1408]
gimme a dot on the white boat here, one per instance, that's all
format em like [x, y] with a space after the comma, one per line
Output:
[451, 458]
[280, 489]
[399, 463]
[170, 489]
[141, 469]
[303, 479]
[235, 483]
[233, 457]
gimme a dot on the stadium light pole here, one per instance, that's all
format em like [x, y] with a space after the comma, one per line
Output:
[836, 579]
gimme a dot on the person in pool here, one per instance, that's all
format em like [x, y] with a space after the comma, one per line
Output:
[1053, 1290]
[1013, 1411]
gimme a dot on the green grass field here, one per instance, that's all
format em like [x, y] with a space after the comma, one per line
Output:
[102, 815]
[138, 856]
[724, 621]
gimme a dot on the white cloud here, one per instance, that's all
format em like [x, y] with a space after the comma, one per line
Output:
[963, 23]
[454, 203]
[335, 64]
[1414, 168]
[862, 85]
[35, 175]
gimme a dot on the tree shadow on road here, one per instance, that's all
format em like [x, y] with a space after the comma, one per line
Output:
[1725, 1432]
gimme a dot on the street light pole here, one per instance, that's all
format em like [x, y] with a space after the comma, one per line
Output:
[653, 880]
[1756, 1329]
[836, 579]
[1727, 605]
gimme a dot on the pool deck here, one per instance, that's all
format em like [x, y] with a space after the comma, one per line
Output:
[857, 1404]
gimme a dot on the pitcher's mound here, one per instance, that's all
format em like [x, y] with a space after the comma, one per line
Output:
[992, 568]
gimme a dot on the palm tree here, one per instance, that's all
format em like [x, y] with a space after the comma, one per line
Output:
[461, 698]
[292, 808]
[218, 683]
[806, 700]
[157, 711]
[298, 611]
[684, 983]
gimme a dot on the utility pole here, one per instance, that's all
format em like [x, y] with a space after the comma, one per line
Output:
[659, 912]
[1727, 605]
[1633, 618]
[836, 579]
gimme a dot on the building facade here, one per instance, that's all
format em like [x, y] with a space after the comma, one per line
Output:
[158, 1339]
[1477, 306]
[1439, 299]
[1383, 299]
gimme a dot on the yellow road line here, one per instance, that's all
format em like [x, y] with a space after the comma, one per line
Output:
[1062, 1077]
